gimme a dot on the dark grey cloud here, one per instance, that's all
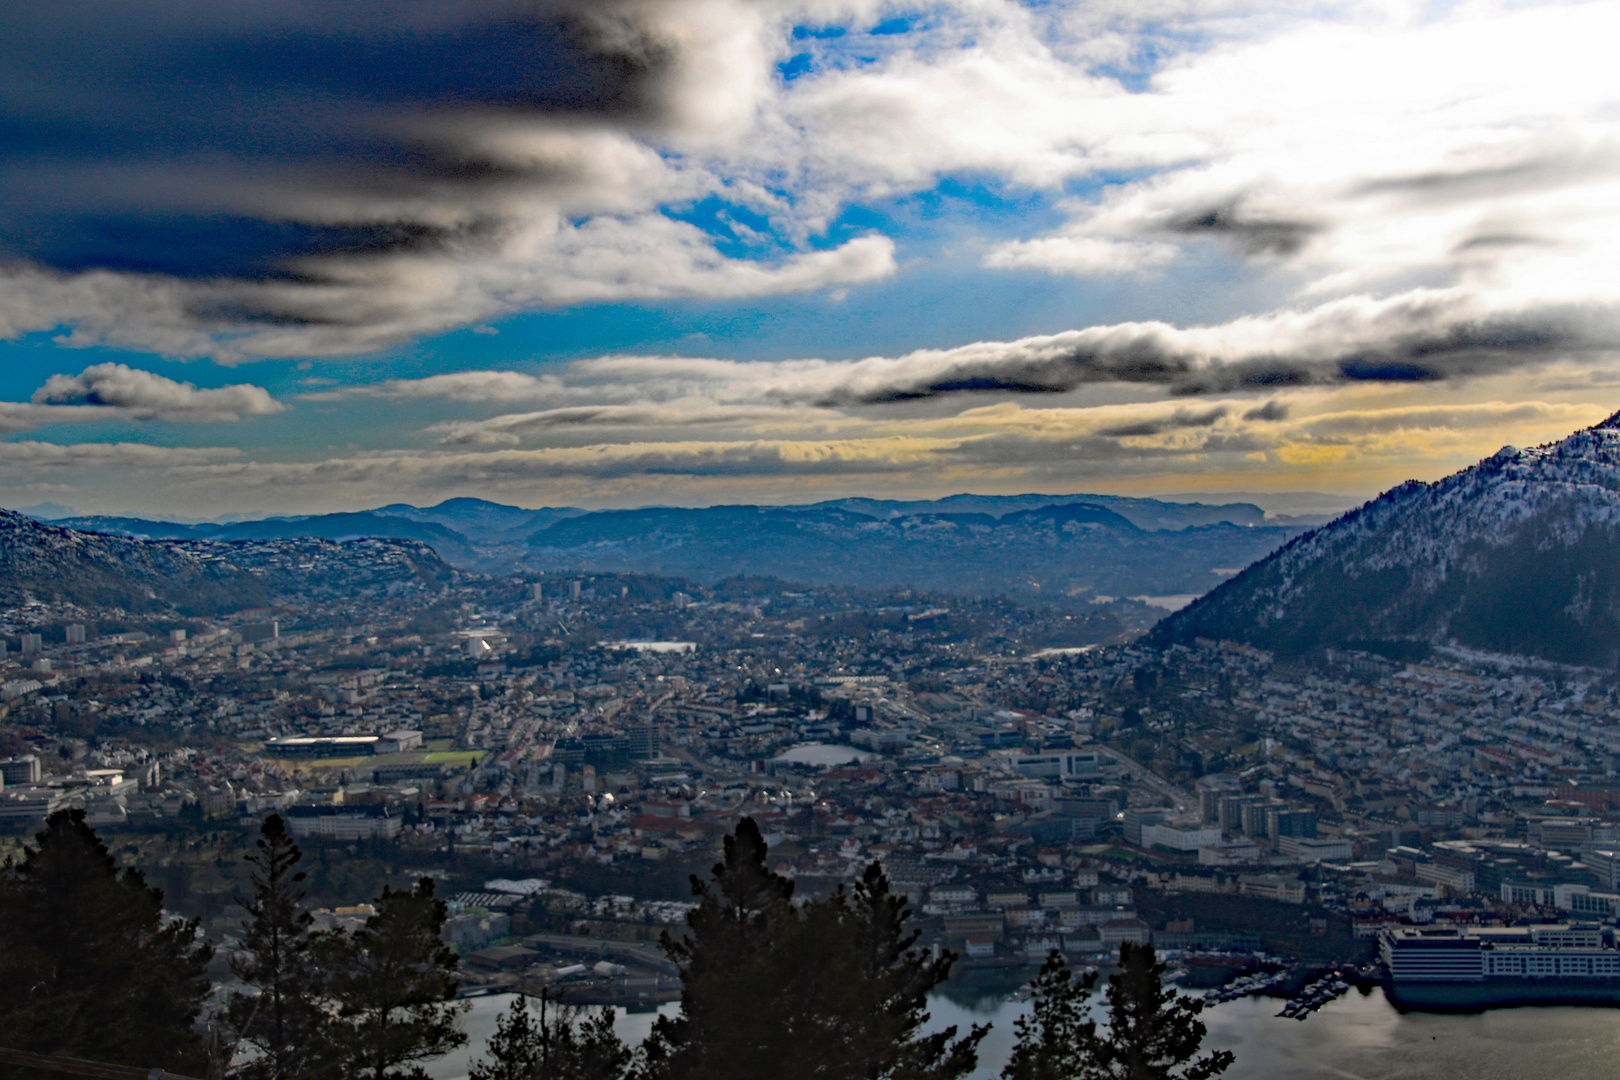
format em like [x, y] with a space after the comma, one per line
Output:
[512, 428]
[226, 138]
[244, 179]
[1420, 337]
[1251, 233]
[1179, 420]
[1000, 451]
[1543, 164]
[1270, 412]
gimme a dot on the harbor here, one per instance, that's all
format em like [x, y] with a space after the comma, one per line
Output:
[1359, 1033]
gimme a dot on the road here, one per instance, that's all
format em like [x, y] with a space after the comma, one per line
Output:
[1179, 798]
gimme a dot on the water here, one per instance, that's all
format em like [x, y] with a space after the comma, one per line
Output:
[822, 754]
[1170, 603]
[1357, 1037]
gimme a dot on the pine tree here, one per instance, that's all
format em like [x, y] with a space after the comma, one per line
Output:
[516, 1050]
[895, 977]
[831, 989]
[1152, 1035]
[91, 967]
[726, 984]
[282, 1017]
[393, 986]
[1056, 1039]
[560, 1046]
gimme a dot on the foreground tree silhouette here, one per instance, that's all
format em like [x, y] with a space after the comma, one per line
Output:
[282, 1016]
[89, 965]
[392, 984]
[831, 989]
[559, 1045]
[1152, 1035]
[1056, 1039]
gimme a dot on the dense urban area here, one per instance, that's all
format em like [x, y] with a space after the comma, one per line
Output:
[560, 753]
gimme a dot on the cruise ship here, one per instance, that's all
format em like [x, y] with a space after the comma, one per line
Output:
[1467, 969]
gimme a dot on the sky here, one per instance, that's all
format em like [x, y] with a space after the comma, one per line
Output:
[326, 255]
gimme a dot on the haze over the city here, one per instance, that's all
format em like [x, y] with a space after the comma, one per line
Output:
[308, 257]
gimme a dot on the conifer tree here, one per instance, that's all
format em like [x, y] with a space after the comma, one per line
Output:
[725, 1020]
[832, 989]
[1056, 1039]
[282, 1017]
[1152, 1035]
[393, 986]
[90, 965]
[516, 1050]
[895, 977]
[559, 1046]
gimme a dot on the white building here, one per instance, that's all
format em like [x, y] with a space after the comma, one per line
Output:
[1080, 765]
[342, 822]
[1180, 838]
[1309, 849]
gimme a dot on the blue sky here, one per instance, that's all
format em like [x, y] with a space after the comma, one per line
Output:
[272, 259]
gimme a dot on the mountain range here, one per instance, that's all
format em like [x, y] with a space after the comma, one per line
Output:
[1031, 546]
[1518, 554]
[52, 564]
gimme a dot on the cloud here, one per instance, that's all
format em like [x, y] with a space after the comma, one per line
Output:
[319, 179]
[143, 395]
[1273, 410]
[112, 392]
[1347, 439]
[511, 428]
[1364, 424]
[307, 179]
[1419, 336]
[437, 471]
[116, 455]
[1361, 150]
[463, 386]
[1176, 421]
[1082, 256]
[1251, 234]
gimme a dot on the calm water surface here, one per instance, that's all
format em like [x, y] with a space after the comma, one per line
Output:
[1358, 1037]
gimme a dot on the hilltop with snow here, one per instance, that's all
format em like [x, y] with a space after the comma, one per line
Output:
[1517, 554]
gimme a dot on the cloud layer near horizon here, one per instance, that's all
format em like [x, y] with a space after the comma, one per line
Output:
[1002, 447]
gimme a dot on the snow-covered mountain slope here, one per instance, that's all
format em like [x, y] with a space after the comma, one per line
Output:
[1517, 554]
[97, 571]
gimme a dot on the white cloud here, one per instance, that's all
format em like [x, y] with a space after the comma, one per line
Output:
[1475, 146]
[143, 395]
[1083, 256]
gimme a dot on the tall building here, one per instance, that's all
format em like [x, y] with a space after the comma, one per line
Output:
[31, 644]
[1211, 789]
[643, 741]
[1231, 810]
[261, 631]
[1281, 821]
[1138, 816]
[75, 634]
[20, 770]
[1258, 816]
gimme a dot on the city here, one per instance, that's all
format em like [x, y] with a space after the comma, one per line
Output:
[563, 752]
